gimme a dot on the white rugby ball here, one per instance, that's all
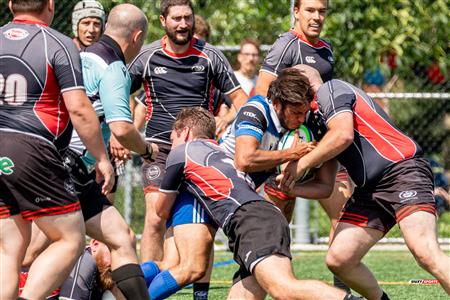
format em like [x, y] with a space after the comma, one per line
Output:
[286, 141]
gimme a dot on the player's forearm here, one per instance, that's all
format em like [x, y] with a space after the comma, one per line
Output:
[128, 136]
[314, 189]
[262, 160]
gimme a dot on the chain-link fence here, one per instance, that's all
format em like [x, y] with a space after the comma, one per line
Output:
[422, 115]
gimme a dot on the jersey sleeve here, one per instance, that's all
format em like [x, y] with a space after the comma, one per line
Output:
[174, 170]
[279, 56]
[66, 65]
[223, 77]
[334, 98]
[250, 121]
[136, 69]
[114, 91]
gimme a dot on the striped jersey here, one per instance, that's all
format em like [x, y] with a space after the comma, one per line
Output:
[174, 81]
[291, 49]
[108, 84]
[209, 174]
[37, 64]
[256, 118]
[377, 144]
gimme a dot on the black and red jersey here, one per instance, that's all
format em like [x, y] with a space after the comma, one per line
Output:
[378, 143]
[210, 175]
[291, 49]
[175, 81]
[37, 64]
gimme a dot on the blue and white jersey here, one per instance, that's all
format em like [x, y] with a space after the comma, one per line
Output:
[256, 118]
[108, 85]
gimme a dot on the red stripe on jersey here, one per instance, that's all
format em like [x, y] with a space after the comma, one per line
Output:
[190, 51]
[29, 22]
[50, 108]
[319, 44]
[211, 100]
[389, 142]
[148, 101]
[51, 211]
[211, 181]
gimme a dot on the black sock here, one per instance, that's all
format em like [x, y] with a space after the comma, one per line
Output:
[201, 290]
[130, 280]
[340, 284]
[384, 296]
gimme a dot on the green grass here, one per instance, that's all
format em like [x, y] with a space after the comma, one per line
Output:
[393, 270]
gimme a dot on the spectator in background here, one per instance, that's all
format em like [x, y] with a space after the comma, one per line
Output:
[248, 61]
[88, 23]
[441, 186]
[202, 29]
[374, 83]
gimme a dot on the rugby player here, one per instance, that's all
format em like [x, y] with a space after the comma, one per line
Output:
[258, 234]
[177, 71]
[303, 45]
[41, 74]
[394, 183]
[88, 23]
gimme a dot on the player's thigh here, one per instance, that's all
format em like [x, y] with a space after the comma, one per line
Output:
[273, 270]
[351, 243]
[171, 256]
[194, 242]
[15, 235]
[38, 243]
[334, 204]
[69, 227]
[419, 231]
[110, 228]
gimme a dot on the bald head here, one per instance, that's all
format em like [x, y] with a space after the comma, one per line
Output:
[124, 20]
[313, 75]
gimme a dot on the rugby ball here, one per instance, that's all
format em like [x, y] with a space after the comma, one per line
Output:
[286, 141]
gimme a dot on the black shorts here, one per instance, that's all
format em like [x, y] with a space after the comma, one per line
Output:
[92, 200]
[33, 179]
[405, 188]
[256, 230]
[153, 173]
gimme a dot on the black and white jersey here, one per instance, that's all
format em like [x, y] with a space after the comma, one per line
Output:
[37, 64]
[174, 81]
[291, 49]
[210, 175]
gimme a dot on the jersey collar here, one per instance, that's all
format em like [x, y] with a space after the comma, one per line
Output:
[300, 36]
[173, 54]
[114, 45]
[24, 21]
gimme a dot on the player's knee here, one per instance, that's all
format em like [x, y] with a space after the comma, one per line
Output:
[337, 262]
[424, 257]
[133, 238]
[279, 292]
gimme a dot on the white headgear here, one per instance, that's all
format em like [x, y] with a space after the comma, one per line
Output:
[86, 9]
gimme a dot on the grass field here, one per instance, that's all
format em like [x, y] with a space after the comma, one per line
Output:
[393, 269]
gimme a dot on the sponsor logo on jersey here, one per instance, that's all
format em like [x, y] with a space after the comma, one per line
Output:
[6, 165]
[160, 70]
[69, 186]
[153, 172]
[247, 255]
[330, 59]
[42, 199]
[310, 59]
[16, 34]
[407, 195]
[249, 114]
[198, 69]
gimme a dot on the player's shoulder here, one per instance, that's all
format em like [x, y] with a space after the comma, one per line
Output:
[60, 38]
[206, 48]
[286, 38]
[148, 49]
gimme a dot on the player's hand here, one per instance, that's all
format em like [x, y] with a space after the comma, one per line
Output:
[221, 125]
[118, 151]
[151, 153]
[300, 149]
[287, 189]
[293, 171]
[105, 171]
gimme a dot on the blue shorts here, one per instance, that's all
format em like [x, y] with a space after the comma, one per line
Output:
[188, 210]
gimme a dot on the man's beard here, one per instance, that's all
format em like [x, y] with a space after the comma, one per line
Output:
[179, 41]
